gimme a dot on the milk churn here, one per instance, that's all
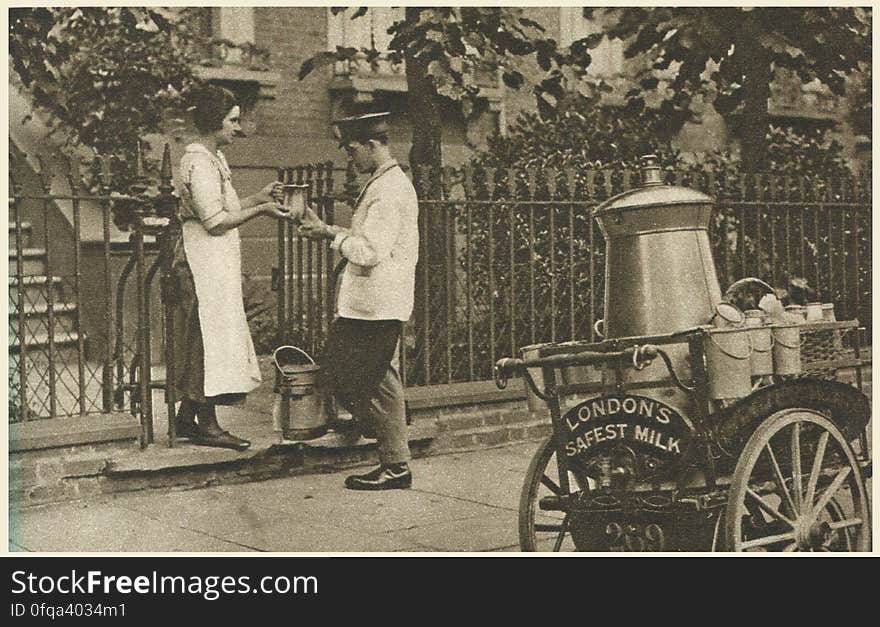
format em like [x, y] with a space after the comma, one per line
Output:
[659, 272]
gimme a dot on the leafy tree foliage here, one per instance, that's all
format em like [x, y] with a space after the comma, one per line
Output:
[734, 52]
[446, 48]
[105, 75]
[533, 257]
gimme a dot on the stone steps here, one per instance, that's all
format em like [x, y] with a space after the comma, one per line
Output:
[36, 291]
[33, 261]
[36, 319]
[40, 341]
[26, 234]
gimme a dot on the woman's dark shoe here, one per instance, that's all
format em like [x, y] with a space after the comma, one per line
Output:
[210, 435]
[397, 476]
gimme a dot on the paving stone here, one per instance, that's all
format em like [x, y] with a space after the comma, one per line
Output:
[283, 536]
[208, 511]
[105, 528]
[485, 533]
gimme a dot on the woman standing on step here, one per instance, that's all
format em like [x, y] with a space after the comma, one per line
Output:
[214, 358]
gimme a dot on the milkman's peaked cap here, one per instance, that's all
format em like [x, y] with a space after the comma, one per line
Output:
[361, 127]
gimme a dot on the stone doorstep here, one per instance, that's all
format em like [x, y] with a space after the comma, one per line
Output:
[53, 433]
[183, 456]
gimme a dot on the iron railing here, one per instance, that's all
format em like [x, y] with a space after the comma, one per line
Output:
[80, 334]
[510, 258]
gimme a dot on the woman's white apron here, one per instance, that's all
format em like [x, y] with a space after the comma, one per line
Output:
[215, 260]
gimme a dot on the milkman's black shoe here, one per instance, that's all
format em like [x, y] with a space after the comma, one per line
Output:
[394, 477]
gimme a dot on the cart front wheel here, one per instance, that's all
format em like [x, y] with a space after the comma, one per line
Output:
[797, 487]
[541, 530]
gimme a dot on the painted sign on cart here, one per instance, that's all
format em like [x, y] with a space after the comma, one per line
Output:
[625, 419]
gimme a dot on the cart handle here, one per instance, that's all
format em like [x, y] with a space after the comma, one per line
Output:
[640, 356]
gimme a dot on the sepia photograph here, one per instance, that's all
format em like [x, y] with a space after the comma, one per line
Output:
[439, 279]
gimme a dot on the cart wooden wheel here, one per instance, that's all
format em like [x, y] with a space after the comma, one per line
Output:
[797, 487]
[541, 530]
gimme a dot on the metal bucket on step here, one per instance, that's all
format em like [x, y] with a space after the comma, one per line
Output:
[786, 349]
[300, 411]
[728, 352]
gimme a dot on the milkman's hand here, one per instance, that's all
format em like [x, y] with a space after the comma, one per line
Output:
[312, 227]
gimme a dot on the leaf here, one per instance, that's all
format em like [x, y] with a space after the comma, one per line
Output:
[513, 79]
[590, 41]
[319, 60]
[531, 24]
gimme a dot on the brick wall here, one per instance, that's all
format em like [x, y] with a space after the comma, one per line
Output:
[300, 108]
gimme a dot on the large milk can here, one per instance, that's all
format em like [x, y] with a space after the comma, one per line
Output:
[659, 272]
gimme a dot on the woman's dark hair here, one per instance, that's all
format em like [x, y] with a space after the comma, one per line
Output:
[211, 104]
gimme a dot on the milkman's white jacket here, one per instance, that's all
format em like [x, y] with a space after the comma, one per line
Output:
[382, 248]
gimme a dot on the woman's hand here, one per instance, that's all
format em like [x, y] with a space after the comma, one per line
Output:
[312, 227]
[272, 192]
[274, 210]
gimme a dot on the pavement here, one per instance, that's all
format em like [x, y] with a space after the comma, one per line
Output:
[459, 502]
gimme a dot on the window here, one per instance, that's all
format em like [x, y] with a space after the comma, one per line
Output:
[235, 24]
[231, 58]
[367, 31]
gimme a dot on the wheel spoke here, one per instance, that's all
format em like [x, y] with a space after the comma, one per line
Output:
[548, 527]
[842, 524]
[831, 490]
[777, 472]
[561, 535]
[816, 469]
[551, 485]
[764, 505]
[796, 480]
[751, 544]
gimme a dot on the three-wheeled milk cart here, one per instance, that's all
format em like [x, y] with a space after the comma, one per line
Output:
[688, 428]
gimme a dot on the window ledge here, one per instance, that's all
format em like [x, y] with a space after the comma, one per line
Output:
[267, 80]
[365, 85]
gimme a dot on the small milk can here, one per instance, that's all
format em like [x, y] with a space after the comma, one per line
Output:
[814, 312]
[727, 315]
[786, 348]
[761, 359]
[728, 353]
[828, 312]
[797, 310]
